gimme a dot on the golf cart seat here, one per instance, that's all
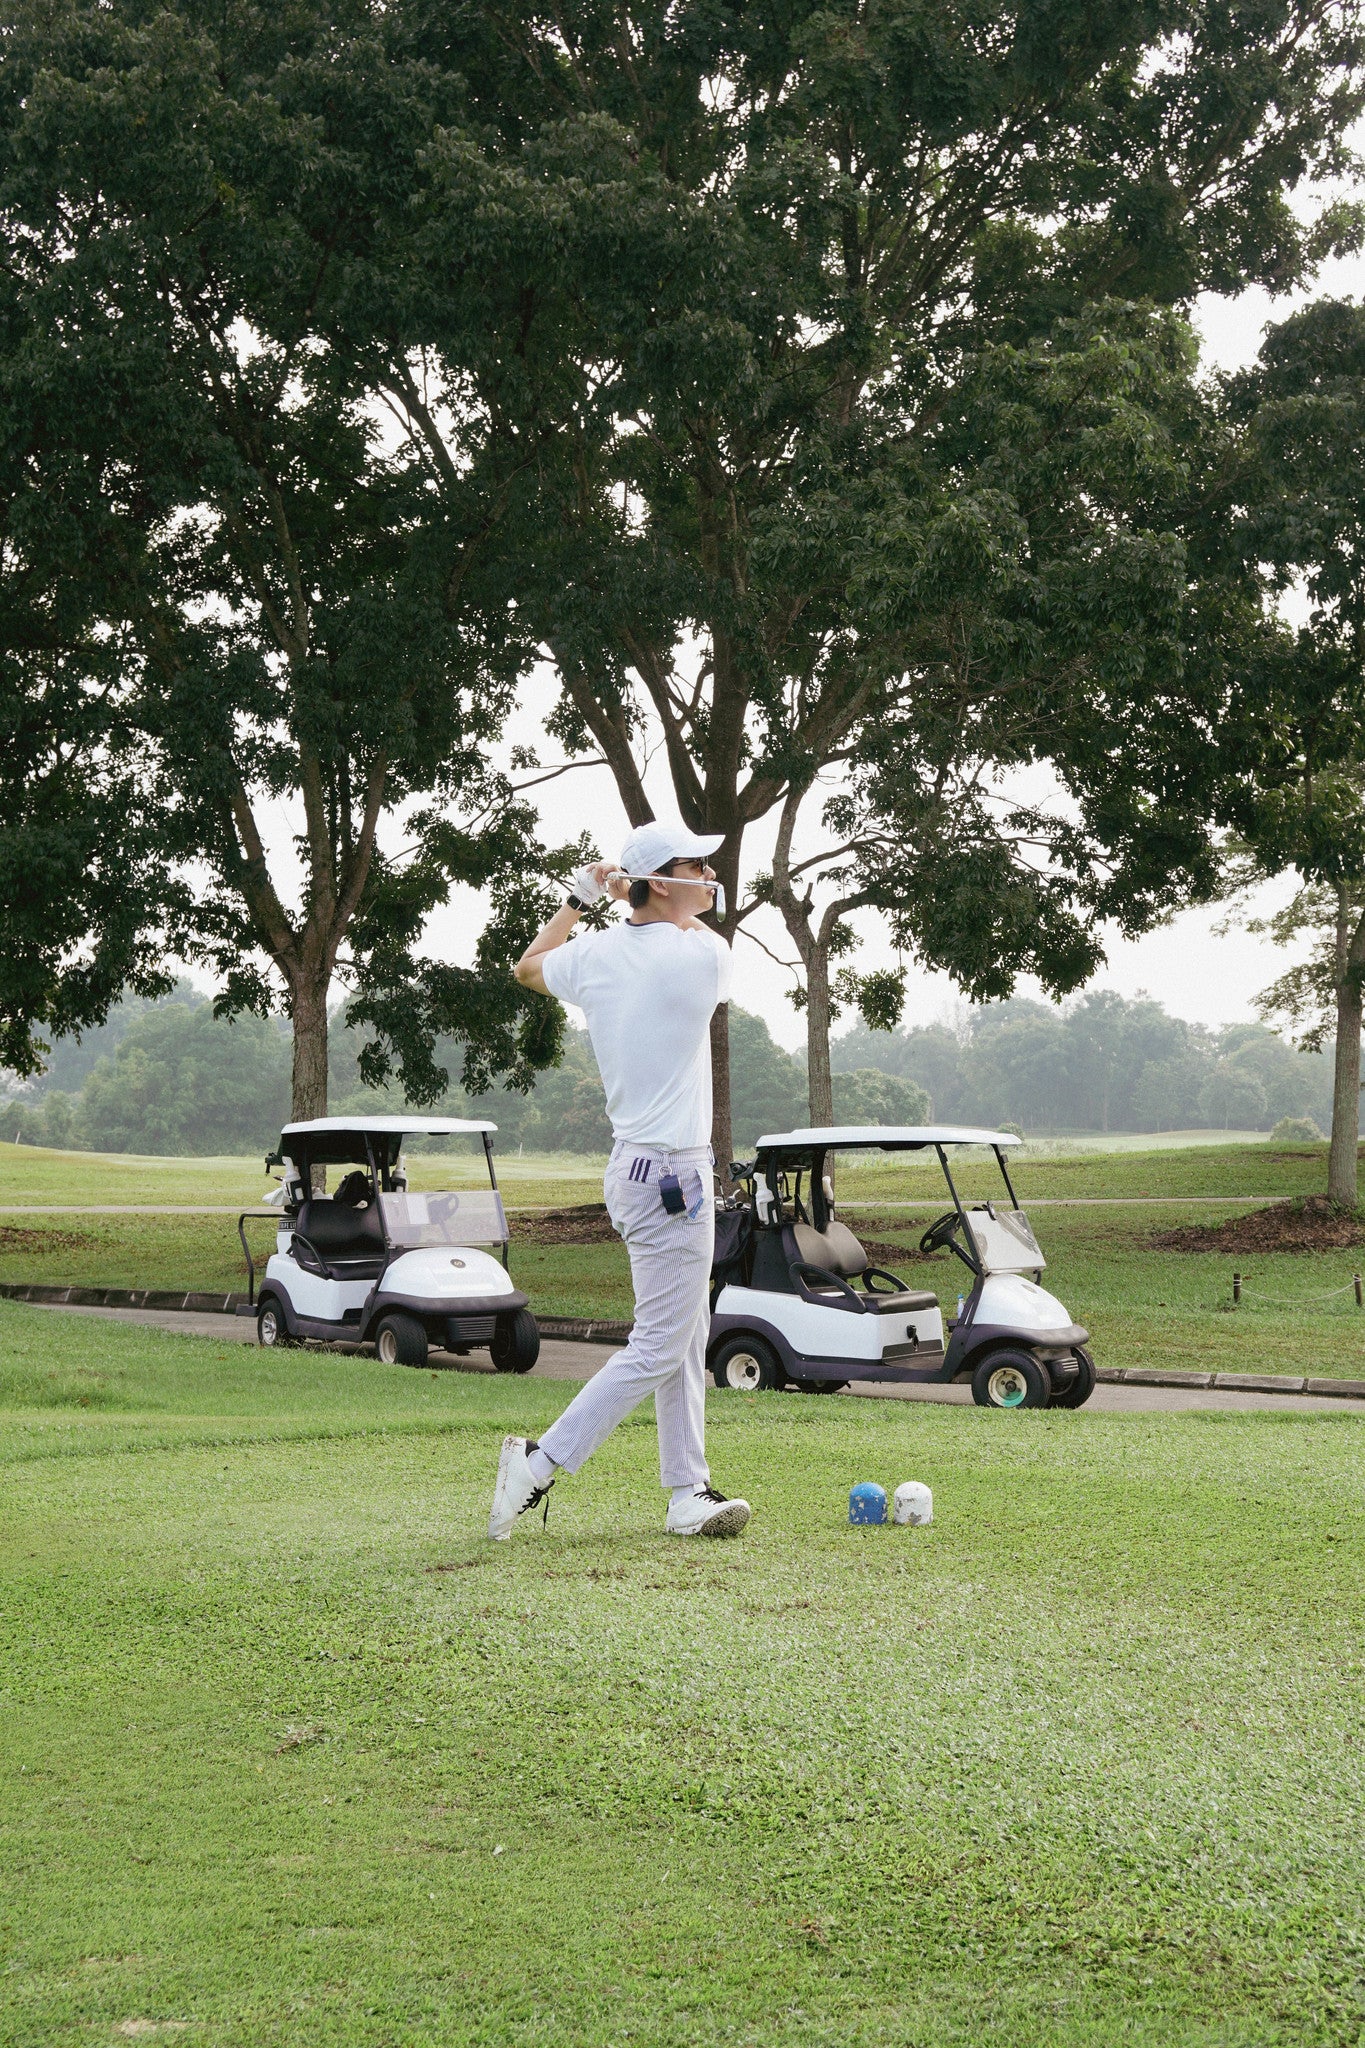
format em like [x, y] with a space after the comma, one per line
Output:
[348, 1243]
[837, 1251]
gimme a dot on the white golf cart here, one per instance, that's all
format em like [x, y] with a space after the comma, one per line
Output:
[785, 1309]
[372, 1263]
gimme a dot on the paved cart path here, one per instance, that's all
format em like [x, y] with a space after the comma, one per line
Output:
[562, 1360]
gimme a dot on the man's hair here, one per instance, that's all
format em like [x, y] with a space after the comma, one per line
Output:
[639, 891]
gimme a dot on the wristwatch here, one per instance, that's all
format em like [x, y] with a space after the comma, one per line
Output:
[573, 903]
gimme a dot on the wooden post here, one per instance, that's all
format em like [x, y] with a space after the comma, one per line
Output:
[1360, 1298]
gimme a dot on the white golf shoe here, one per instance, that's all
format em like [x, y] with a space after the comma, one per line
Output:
[704, 1512]
[516, 1490]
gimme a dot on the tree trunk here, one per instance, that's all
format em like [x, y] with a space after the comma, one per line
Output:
[819, 1083]
[726, 864]
[308, 1011]
[722, 1140]
[1343, 1171]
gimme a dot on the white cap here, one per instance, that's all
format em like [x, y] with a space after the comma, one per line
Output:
[651, 847]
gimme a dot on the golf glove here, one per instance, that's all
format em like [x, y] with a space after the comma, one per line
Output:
[583, 885]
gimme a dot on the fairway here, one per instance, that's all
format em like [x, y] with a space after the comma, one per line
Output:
[1144, 1306]
[294, 1756]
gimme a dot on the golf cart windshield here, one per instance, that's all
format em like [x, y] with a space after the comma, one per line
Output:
[415, 1222]
[1004, 1241]
[792, 1179]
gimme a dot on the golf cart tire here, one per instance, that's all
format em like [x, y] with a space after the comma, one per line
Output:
[400, 1340]
[1075, 1393]
[272, 1331]
[1011, 1378]
[746, 1365]
[822, 1386]
[516, 1342]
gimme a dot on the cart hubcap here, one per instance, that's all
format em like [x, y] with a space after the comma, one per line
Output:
[387, 1347]
[1008, 1387]
[269, 1328]
[743, 1372]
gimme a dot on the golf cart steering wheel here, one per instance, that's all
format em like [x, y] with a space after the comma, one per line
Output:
[941, 1232]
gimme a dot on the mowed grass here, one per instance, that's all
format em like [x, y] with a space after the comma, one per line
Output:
[1191, 1172]
[33, 1174]
[1142, 1307]
[294, 1756]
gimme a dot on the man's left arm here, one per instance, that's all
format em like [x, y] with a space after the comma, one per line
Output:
[530, 969]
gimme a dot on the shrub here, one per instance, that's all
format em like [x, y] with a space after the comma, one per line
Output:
[1296, 1130]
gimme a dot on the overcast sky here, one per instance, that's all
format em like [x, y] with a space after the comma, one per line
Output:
[1185, 965]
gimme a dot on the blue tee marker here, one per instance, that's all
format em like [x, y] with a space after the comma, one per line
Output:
[867, 1503]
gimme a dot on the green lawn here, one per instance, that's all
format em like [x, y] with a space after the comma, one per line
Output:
[1143, 1307]
[28, 1173]
[31, 1173]
[1171, 1171]
[293, 1756]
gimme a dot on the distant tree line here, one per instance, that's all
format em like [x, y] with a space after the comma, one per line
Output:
[171, 1078]
[1105, 1064]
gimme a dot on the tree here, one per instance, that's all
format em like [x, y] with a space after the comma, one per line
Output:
[1045, 595]
[1166, 1093]
[278, 599]
[184, 1081]
[84, 884]
[866, 1097]
[1297, 796]
[1232, 1098]
[785, 237]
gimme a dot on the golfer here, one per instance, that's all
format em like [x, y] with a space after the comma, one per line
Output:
[647, 989]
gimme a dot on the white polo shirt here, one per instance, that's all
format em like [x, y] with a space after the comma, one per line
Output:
[647, 993]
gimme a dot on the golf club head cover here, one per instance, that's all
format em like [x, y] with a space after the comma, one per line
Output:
[913, 1504]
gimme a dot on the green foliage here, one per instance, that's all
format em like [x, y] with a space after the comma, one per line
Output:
[864, 1096]
[270, 595]
[1104, 1064]
[186, 1081]
[904, 463]
[1296, 1130]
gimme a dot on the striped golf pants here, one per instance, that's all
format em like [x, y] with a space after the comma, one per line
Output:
[665, 1354]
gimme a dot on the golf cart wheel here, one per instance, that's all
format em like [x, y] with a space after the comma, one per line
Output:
[1075, 1393]
[272, 1331]
[1011, 1379]
[746, 1365]
[400, 1340]
[823, 1386]
[516, 1341]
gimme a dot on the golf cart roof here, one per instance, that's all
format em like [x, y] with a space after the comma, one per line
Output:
[887, 1137]
[393, 1126]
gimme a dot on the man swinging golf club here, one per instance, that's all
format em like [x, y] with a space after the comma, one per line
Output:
[647, 988]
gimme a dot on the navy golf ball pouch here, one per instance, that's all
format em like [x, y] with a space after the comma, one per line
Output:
[683, 1196]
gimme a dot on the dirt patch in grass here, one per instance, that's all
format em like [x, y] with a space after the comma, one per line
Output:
[15, 1238]
[1311, 1225]
[587, 1223]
